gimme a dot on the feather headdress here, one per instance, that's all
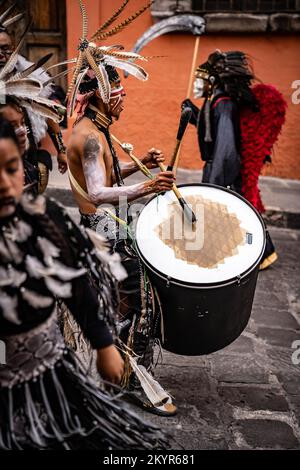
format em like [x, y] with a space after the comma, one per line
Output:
[5, 21]
[102, 59]
[25, 90]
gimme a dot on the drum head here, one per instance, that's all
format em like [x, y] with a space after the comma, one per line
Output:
[227, 242]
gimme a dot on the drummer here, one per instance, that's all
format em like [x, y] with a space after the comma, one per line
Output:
[93, 170]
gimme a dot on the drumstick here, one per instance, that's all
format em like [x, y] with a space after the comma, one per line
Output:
[189, 89]
[128, 149]
[186, 209]
[184, 120]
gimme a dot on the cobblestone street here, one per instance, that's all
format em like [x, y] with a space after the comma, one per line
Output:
[245, 396]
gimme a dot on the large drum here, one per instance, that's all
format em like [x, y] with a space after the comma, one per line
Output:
[205, 275]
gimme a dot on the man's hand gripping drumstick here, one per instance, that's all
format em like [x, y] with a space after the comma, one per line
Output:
[128, 148]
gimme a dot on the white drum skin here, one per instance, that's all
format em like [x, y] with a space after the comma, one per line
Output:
[162, 257]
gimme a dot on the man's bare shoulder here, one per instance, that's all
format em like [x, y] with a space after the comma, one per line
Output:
[81, 136]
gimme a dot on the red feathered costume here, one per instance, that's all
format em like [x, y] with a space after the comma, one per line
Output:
[259, 132]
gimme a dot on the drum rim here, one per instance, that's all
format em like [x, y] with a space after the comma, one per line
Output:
[210, 285]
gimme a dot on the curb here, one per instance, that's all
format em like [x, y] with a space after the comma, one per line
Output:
[273, 217]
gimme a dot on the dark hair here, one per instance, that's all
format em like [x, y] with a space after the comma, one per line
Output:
[7, 131]
[233, 72]
[91, 84]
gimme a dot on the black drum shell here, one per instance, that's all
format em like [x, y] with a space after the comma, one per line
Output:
[201, 321]
[203, 318]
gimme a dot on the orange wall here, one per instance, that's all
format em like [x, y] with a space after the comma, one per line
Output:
[152, 108]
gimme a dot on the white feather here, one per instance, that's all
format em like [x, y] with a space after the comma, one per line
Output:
[36, 300]
[102, 252]
[11, 277]
[25, 88]
[133, 69]
[39, 74]
[62, 290]
[47, 248]
[65, 273]
[33, 206]
[75, 91]
[19, 232]
[9, 308]
[153, 390]
[35, 268]
[104, 90]
[14, 251]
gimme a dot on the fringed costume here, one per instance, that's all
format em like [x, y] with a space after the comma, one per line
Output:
[47, 401]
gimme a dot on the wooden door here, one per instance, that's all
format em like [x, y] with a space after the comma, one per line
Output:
[48, 31]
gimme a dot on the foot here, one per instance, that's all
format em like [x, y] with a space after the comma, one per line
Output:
[164, 408]
[268, 261]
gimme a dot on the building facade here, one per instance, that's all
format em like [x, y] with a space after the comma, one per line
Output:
[267, 30]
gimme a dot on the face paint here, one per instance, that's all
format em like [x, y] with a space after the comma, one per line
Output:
[21, 132]
[116, 97]
[198, 87]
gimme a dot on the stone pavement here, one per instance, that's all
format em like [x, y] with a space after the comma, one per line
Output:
[247, 395]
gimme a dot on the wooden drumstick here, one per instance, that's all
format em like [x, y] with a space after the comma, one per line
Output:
[128, 149]
[185, 207]
[189, 90]
[184, 120]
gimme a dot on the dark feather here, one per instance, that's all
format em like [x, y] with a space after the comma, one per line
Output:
[109, 21]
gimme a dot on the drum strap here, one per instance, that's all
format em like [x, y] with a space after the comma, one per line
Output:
[77, 186]
[100, 211]
[223, 98]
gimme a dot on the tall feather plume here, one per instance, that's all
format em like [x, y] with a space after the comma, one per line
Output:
[124, 23]
[76, 73]
[123, 55]
[13, 20]
[42, 109]
[23, 88]
[32, 67]
[84, 20]
[61, 74]
[64, 62]
[101, 75]
[119, 47]
[9, 308]
[109, 21]
[6, 13]
[75, 91]
[133, 69]
[8, 67]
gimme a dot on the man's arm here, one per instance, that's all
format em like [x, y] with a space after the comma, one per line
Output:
[151, 160]
[55, 134]
[92, 153]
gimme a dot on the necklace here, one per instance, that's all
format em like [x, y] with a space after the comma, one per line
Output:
[100, 119]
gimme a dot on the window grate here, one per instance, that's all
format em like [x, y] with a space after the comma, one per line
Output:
[249, 6]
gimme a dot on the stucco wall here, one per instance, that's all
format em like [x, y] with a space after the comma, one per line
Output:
[153, 107]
